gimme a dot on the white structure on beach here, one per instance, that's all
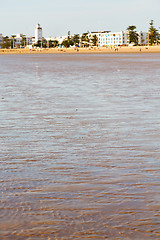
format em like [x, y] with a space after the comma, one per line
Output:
[59, 39]
[38, 33]
[114, 39]
[18, 40]
[30, 41]
[99, 35]
[107, 38]
[142, 39]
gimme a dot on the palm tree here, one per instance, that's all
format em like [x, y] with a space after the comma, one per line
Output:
[13, 41]
[94, 40]
[85, 40]
[153, 34]
[23, 41]
[6, 42]
[76, 39]
[132, 34]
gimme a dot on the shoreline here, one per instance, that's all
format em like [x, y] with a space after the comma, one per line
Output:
[94, 50]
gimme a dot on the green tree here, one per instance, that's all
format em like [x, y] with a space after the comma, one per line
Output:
[76, 39]
[132, 34]
[68, 41]
[23, 41]
[85, 40]
[94, 40]
[13, 41]
[65, 43]
[54, 43]
[153, 34]
[44, 43]
[49, 44]
[38, 44]
[6, 43]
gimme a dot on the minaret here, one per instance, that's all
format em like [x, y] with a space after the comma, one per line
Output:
[38, 33]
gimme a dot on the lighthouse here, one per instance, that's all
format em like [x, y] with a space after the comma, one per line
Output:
[38, 33]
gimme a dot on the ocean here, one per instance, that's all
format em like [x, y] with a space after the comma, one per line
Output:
[79, 146]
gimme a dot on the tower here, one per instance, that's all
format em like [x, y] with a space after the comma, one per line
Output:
[38, 33]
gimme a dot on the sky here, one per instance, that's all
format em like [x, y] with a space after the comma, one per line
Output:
[57, 17]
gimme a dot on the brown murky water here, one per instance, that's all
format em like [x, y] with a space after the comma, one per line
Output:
[79, 147]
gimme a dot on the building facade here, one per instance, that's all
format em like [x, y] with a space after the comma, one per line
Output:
[142, 38]
[18, 40]
[99, 36]
[114, 39]
[107, 38]
[30, 41]
[58, 39]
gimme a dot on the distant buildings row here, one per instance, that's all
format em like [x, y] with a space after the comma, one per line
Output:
[20, 40]
[104, 38]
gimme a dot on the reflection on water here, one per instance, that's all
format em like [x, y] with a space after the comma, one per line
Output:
[37, 72]
[79, 147]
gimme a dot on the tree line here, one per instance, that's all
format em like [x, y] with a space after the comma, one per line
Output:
[83, 41]
[75, 40]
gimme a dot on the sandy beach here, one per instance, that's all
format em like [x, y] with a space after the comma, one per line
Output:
[102, 50]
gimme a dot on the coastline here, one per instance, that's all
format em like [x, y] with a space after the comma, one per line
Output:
[94, 50]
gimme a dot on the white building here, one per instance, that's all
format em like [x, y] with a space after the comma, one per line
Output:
[22, 40]
[107, 38]
[18, 40]
[58, 39]
[30, 41]
[99, 36]
[38, 33]
[61, 39]
[113, 39]
[142, 39]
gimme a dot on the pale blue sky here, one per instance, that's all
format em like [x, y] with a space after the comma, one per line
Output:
[57, 17]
